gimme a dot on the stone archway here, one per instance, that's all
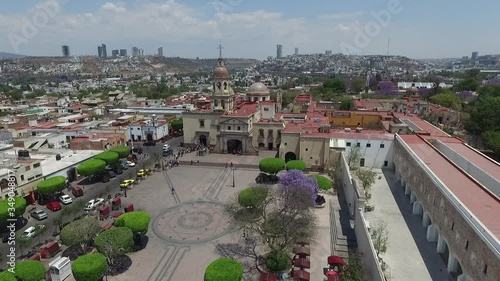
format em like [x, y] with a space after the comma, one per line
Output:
[234, 145]
[203, 140]
[443, 249]
[289, 156]
[149, 137]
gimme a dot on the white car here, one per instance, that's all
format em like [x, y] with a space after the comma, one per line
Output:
[32, 231]
[65, 199]
[130, 163]
[92, 204]
[166, 147]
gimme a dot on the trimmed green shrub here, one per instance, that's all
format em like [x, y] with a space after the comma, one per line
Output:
[80, 232]
[91, 167]
[115, 242]
[19, 206]
[110, 157]
[224, 269]
[272, 165]
[51, 185]
[7, 276]
[90, 267]
[123, 151]
[296, 165]
[137, 221]
[252, 196]
[278, 261]
[323, 182]
[30, 271]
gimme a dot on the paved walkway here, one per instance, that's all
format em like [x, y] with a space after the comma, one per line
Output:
[244, 161]
[409, 256]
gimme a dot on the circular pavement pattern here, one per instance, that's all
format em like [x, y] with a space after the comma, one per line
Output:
[192, 222]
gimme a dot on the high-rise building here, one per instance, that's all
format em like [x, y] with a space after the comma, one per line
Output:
[104, 52]
[328, 52]
[296, 51]
[279, 51]
[115, 53]
[123, 52]
[474, 55]
[135, 52]
[65, 51]
[160, 51]
[99, 51]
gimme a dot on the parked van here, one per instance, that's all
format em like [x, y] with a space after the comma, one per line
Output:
[77, 191]
[60, 269]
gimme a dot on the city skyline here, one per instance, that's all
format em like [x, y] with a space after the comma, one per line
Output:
[182, 27]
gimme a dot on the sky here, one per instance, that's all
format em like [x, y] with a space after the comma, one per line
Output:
[252, 28]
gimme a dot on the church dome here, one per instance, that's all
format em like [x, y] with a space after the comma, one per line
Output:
[221, 72]
[258, 88]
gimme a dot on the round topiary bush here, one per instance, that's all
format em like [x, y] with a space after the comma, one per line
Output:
[30, 271]
[51, 185]
[91, 167]
[224, 269]
[123, 151]
[7, 276]
[19, 206]
[252, 196]
[277, 261]
[137, 221]
[115, 242]
[272, 165]
[323, 182]
[296, 165]
[110, 157]
[90, 267]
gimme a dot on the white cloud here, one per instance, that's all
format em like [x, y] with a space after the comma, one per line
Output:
[113, 7]
[342, 16]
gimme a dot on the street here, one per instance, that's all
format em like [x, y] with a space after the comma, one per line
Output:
[91, 191]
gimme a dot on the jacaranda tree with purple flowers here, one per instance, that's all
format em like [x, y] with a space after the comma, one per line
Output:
[297, 179]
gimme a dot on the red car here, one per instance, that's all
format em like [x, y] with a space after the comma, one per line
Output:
[54, 206]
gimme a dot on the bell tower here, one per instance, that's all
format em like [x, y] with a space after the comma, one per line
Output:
[222, 99]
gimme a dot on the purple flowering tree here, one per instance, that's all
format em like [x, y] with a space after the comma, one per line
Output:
[387, 87]
[494, 82]
[295, 179]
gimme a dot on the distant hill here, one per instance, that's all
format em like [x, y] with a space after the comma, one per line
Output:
[10, 56]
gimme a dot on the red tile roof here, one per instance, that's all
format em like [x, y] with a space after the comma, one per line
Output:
[483, 204]
[245, 110]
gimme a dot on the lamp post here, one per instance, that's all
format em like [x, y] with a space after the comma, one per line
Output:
[233, 168]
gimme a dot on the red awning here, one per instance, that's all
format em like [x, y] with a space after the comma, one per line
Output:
[301, 275]
[302, 263]
[335, 260]
[267, 277]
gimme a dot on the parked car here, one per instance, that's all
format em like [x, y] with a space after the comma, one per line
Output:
[126, 183]
[166, 147]
[264, 178]
[123, 165]
[131, 164]
[150, 143]
[32, 231]
[103, 176]
[39, 215]
[92, 204]
[65, 199]
[54, 206]
[142, 172]
[111, 174]
[77, 191]
[167, 153]
[118, 169]
[137, 150]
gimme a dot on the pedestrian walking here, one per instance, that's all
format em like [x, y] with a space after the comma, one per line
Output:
[173, 190]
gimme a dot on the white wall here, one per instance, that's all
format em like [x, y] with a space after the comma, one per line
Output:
[374, 156]
[366, 248]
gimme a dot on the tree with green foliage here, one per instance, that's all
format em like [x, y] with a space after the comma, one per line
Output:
[7, 276]
[346, 104]
[114, 243]
[80, 232]
[89, 267]
[137, 221]
[354, 270]
[177, 125]
[296, 165]
[277, 261]
[380, 238]
[123, 151]
[337, 85]
[367, 178]
[224, 269]
[492, 141]
[484, 112]
[91, 167]
[51, 185]
[110, 157]
[324, 183]
[252, 197]
[447, 99]
[30, 270]
[358, 85]
[353, 157]
[24, 243]
[19, 208]
[272, 165]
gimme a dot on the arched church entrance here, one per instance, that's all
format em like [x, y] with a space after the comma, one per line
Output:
[203, 140]
[289, 156]
[234, 145]
[149, 137]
